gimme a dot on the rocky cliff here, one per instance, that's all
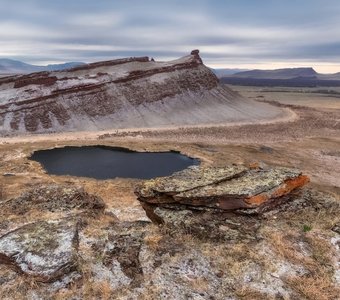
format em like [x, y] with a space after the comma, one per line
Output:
[124, 93]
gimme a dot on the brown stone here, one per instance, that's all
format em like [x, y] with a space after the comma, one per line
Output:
[225, 189]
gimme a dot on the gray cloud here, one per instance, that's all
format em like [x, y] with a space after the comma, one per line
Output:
[227, 32]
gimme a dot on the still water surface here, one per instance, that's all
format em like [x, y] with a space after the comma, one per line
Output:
[102, 162]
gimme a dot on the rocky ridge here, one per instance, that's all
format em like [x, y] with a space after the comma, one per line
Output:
[123, 93]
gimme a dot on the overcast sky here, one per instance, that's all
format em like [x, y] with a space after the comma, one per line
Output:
[229, 33]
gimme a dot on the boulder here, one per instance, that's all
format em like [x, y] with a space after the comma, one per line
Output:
[223, 189]
[43, 250]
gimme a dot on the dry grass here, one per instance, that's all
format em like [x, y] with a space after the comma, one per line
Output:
[86, 287]
[198, 284]
[321, 253]
[234, 260]
[153, 240]
[96, 225]
[248, 293]
[316, 287]
[321, 250]
[284, 246]
[321, 219]
[317, 283]
[89, 290]
[19, 288]
[97, 290]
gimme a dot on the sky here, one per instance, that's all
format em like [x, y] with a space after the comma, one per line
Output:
[264, 34]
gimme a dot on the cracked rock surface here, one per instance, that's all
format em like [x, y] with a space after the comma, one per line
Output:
[226, 188]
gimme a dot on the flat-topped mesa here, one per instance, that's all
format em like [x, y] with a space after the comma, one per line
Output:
[124, 93]
[223, 189]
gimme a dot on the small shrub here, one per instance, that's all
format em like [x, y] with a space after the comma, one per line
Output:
[306, 228]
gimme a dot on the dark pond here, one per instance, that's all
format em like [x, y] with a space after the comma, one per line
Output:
[102, 162]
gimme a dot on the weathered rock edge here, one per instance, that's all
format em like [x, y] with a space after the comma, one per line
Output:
[227, 188]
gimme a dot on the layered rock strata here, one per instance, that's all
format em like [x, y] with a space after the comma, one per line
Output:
[123, 93]
[227, 188]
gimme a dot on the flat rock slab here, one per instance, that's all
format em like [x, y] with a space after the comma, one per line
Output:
[43, 250]
[189, 179]
[226, 188]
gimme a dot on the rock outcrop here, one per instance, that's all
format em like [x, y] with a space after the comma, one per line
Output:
[123, 93]
[43, 250]
[228, 188]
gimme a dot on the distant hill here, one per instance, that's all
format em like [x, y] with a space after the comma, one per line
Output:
[291, 77]
[278, 74]
[10, 66]
[225, 72]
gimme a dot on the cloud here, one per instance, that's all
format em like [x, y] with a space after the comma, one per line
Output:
[226, 32]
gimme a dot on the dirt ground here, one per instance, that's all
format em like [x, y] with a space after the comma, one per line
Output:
[310, 141]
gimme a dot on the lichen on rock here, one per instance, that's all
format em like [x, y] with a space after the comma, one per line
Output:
[224, 189]
[45, 250]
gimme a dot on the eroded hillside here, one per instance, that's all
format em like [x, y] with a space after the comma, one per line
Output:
[124, 93]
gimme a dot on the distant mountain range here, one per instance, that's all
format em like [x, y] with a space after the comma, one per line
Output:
[225, 72]
[10, 66]
[279, 77]
[283, 77]
[278, 74]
